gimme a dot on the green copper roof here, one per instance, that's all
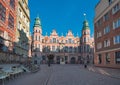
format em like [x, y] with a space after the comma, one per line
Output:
[85, 25]
[37, 22]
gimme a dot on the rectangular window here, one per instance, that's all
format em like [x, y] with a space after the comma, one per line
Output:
[99, 34]
[107, 56]
[117, 57]
[99, 22]
[117, 39]
[106, 16]
[2, 13]
[99, 45]
[66, 41]
[11, 22]
[110, 2]
[107, 30]
[54, 40]
[53, 48]
[116, 24]
[116, 8]
[84, 39]
[106, 43]
[12, 3]
[70, 40]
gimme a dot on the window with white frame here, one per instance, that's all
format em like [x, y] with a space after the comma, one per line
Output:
[53, 48]
[20, 13]
[117, 57]
[116, 24]
[116, 8]
[106, 16]
[117, 39]
[107, 30]
[106, 43]
[99, 45]
[70, 41]
[54, 40]
[107, 55]
[84, 39]
[99, 22]
[99, 34]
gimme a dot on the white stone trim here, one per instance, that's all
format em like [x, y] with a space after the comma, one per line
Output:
[108, 50]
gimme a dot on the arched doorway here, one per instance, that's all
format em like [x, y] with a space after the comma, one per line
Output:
[43, 59]
[58, 60]
[51, 58]
[35, 61]
[66, 59]
[72, 60]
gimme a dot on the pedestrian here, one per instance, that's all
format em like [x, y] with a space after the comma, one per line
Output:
[48, 63]
[85, 65]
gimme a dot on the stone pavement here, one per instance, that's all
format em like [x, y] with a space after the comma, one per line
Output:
[64, 75]
[7, 66]
[115, 73]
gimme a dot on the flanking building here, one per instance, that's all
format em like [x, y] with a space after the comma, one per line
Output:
[64, 49]
[107, 33]
[7, 30]
[23, 30]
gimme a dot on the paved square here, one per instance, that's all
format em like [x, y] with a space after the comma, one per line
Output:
[64, 75]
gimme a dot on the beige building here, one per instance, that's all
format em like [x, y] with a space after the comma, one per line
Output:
[64, 49]
[107, 33]
[23, 29]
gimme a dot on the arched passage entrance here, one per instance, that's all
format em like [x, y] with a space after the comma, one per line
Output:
[51, 58]
[58, 59]
[72, 61]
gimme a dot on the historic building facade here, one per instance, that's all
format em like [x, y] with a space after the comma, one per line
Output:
[107, 33]
[23, 29]
[7, 29]
[65, 49]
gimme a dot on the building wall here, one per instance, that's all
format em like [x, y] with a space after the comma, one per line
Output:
[23, 29]
[6, 30]
[102, 37]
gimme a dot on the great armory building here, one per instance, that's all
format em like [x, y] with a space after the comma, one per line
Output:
[64, 49]
[107, 33]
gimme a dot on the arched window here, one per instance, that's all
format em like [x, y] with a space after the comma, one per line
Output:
[70, 49]
[54, 40]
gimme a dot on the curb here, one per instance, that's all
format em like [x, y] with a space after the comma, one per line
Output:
[94, 70]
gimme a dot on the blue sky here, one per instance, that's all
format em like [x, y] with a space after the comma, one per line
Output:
[62, 15]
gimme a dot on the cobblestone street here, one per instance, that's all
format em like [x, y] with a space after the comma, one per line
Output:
[64, 75]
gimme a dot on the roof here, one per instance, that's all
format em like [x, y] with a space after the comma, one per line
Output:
[85, 25]
[37, 22]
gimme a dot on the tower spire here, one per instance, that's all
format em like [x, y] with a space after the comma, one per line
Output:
[84, 16]
[37, 22]
[85, 23]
